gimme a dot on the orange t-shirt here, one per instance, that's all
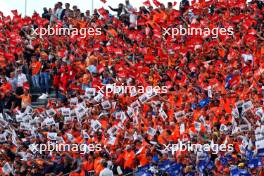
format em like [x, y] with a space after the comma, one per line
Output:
[143, 159]
[26, 100]
[98, 166]
[88, 165]
[36, 66]
[129, 158]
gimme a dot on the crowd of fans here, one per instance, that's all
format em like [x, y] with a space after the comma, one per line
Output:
[215, 89]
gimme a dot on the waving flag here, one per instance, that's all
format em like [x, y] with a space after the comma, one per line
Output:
[157, 3]
[147, 3]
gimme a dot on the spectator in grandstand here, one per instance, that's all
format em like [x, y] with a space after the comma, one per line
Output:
[59, 11]
[53, 16]
[87, 16]
[121, 11]
[215, 92]
[13, 81]
[184, 5]
[66, 11]
[35, 67]
[106, 171]
[46, 13]
[25, 99]
[128, 6]
[21, 80]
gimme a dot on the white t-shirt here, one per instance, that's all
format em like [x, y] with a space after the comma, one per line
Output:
[58, 13]
[21, 79]
[106, 172]
[133, 19]
[247, 57]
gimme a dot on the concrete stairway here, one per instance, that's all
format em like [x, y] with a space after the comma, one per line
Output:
[35, 101]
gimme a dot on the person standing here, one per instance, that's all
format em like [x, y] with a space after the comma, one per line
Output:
[66, 11]
[35, 70]
[46, 13]
[25, 99]
[106, 171]
[59, 11]
[21, 80]
[44, 77]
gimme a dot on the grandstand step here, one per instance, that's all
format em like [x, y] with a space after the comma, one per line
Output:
[36, 102]
[38, 106]
[39, 103]
[52, 94]
[36, 95]
[35, 90]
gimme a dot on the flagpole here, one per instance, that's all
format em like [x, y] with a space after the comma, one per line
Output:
[25, 7]
[92, 7]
